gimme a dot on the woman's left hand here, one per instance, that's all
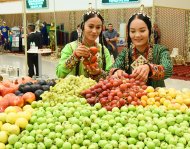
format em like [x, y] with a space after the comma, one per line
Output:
[92, 70]
[141, 72]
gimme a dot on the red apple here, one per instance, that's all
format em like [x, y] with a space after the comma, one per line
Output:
[29, 97]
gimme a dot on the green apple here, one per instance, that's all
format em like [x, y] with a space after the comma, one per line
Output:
[13, 139]
[59, 128]
[39, 138]
[141, 136]
[114, 143]
[93, 146]
[17, 145]
[142, 129]
[134, 133]
[90, 134]
[123, 145]
[182, 140]
[30, 139]
[140, 144]
[75, 146]
[67, 145]
[79, 138]
[108, 146]
[132, 141]
[71, 140]
[45, 132]
[86, 143]
[96, 138]
[115, 137]
[59, 142]
[156, 142]
[94, 126]
[152, 134]
[48, 142]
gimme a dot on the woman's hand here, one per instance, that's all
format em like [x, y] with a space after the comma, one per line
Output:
[141, 72]
[118, 74]
[93, 70]
[82, 51]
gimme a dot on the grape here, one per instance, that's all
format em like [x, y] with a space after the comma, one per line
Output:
[67, 87]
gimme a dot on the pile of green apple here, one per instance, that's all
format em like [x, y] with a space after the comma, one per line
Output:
[75, 124]
[69, 86]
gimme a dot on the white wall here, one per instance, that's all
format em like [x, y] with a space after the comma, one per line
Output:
[68, 5]
[183, 4]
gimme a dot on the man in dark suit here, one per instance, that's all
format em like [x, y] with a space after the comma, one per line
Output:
[76, 34]
[33, 37]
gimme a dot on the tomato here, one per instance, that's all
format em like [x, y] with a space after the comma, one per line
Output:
[93, 50]
[86, 62]
[93, 59]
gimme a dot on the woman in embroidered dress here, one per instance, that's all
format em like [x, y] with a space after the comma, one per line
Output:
[76, 55]
[146, 62]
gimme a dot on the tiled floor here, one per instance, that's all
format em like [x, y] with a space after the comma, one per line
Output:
[48, 69]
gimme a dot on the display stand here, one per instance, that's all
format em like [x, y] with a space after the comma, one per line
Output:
[39, 52]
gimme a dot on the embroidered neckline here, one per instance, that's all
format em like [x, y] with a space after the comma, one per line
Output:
[147, 54]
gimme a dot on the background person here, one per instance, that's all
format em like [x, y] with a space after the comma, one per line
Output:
[76, 34]
[111, 36]
[32, 59]
[156, 33]
[157, 64]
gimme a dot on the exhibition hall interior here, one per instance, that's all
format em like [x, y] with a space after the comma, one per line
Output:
[94, 74]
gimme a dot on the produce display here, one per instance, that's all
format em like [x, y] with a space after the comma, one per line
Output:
[22, 91]
[70, 86]
[68, 118]
[12, 121]
[37, 87]
[116, 92]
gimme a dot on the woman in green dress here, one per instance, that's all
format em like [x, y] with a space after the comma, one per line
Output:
[77, 57]
[145, 61]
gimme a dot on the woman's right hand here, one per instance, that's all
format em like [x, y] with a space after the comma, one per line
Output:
[82, 51]
[118, 74]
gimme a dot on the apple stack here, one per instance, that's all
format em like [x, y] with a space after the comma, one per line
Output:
[116, 92]
[76, 124]
[170, 98]
[12, 121]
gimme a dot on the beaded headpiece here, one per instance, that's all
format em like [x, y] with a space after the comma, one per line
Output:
[91, 10]
[141, 12]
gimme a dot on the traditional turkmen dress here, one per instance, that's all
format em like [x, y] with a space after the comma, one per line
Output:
[70, 65]
[159, 61]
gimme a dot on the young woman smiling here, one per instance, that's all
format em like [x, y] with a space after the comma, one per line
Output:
[145, 61]
[85, 56]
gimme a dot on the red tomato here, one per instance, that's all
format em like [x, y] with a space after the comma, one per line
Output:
[93, 50]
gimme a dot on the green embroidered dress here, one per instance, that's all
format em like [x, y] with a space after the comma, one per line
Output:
[64, 68]
[161, 57]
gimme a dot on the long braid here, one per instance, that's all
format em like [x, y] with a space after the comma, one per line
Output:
[101, 37]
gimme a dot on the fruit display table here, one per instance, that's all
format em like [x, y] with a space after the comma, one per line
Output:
[79, 113]
[39, 52]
